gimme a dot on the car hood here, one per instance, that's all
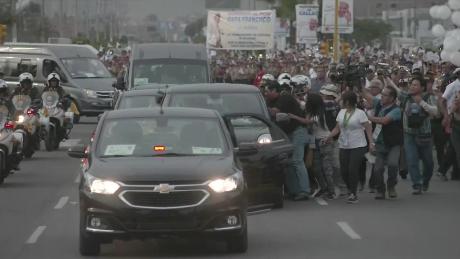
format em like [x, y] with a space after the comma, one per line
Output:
[197, 169]
[96, 84]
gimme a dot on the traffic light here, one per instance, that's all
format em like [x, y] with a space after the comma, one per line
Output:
[324, 48]
[3, 32]
[345, 49]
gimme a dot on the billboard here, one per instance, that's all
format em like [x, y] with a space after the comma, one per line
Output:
[241, 30]
[307, 23]
[345, 16]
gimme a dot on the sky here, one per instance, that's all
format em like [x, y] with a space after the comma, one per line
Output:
[169, 8]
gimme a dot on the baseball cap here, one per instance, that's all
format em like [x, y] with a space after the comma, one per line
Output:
[330, 90]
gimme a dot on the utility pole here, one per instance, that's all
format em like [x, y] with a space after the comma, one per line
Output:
[336, 32]
[43, 36]
[14, 27]
[61, 18]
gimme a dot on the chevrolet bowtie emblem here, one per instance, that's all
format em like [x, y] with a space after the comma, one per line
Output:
[164, 188]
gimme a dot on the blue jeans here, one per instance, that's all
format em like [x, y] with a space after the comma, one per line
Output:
[297, 181]
[419, 149]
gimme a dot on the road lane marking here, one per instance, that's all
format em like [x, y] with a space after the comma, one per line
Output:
[321, 201]
[77, 179]
[69, 143]
[348, 230]
[61, 203]
[37, 233]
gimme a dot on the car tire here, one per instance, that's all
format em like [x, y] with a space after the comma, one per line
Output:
[279, 199]
[89, 245]
[238, 243]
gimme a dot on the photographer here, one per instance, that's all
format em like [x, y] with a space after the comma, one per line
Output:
[388, 137]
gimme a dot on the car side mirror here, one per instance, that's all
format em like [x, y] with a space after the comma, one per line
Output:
[247, 149]
[77, 152]
[282, 117]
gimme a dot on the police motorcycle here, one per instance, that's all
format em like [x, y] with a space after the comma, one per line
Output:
[10, 141]
[25, 117]
[56, 123]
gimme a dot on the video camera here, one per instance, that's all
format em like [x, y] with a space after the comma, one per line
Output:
[351, 75]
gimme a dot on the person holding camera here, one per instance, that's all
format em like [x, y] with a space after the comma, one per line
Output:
[388, 136]
[417, 106]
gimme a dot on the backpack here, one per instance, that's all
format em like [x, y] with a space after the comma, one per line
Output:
[416, 115]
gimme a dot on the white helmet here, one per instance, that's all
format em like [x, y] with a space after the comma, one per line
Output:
[301, 80]
[26, 76]
[3, 84]
[268, 77]
[284, 76]
[54, 76]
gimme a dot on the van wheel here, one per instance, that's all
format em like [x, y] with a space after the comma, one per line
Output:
[238, 243]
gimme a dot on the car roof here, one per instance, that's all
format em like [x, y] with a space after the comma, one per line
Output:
[213, 88]
[143, 92]
[165, 111]
[60, 50]
[169, 51]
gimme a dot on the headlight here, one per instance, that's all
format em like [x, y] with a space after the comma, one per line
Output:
[21, 118]
[102, 186]
[90, 93]
[228, 184]
[264, 139]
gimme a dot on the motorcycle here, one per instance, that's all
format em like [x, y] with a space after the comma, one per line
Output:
[10, 144]
[26, 123]
[56, 123]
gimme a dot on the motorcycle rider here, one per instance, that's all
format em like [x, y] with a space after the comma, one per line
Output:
[5, 96]
[26, 87]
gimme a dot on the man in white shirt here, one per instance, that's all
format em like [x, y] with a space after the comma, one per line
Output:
[451, 111]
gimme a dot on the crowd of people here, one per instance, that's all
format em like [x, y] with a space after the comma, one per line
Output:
[375, 112]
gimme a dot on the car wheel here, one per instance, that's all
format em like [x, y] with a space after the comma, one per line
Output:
[238, 243]
[279, 199]
[89, 245]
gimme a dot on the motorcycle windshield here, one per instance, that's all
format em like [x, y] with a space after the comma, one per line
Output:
[21, 102]
[50, 99]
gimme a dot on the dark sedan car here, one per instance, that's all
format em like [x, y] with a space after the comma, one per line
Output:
[139, 99]
[265, 170]
[155, 172]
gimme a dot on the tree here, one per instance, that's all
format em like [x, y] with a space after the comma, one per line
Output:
[367, 31]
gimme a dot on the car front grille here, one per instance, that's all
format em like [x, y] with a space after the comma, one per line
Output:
[104, 94]
[158, 223]
[156, 200]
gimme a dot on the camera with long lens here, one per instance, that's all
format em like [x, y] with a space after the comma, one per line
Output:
[351, 75]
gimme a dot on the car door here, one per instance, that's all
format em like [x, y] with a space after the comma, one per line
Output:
[263, 170]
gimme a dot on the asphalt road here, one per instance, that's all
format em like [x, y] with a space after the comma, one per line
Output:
[39, 219]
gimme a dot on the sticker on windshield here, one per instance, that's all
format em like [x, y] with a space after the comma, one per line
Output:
[141, 81]
[206, 151]
[122, 150]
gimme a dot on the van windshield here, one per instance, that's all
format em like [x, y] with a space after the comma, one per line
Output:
[86, 68]
[169, 72]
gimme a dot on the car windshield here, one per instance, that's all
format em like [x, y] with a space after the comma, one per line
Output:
[149, 137]
[86, 68]
[224, 103]
[169, 72]
[142, 101]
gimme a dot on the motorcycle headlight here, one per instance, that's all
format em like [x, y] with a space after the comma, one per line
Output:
[101, 186]
[228, 184]
[21, 118]
[90, 93]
